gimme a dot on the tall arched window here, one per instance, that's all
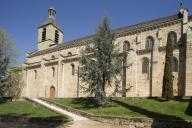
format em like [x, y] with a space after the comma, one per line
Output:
[53, 71]
[149, 42]
[126, 46]
[145, 65]
[56, 36]
[44, 34]
[172, 37]
[35, 73]
[175, 64]
[73, 69]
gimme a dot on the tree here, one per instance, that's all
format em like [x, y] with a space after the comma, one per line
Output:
[7, 56]
[168, 77]
[99, 64]
[13, 83]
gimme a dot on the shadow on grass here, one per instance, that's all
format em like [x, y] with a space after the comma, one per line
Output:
[86, 103]
[158, 99]
[145, 112]
[52, 121]
[159, 120]
[189, 108]
[176, 98]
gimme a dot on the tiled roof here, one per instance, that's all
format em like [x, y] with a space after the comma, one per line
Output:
[50, 21]
[149, 23]
[87, 39]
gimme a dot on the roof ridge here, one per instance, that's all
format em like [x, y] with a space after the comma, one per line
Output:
[116, 30]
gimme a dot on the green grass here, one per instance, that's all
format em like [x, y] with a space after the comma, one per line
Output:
[133, 107]
[23, 108]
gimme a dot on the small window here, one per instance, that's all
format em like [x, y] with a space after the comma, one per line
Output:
[52, 57]
[175, 64]
[44, 34]
[73, 69]
[35, 72]
[126, 46]
[69, 54]
[149, 42]
[56, 36]
[53, 71]
[145, 65]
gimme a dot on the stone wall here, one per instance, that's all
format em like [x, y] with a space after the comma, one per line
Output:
[140, 84]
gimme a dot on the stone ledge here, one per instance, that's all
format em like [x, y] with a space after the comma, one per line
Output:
[132, 122]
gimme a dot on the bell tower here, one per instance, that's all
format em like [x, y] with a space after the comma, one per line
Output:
[49, 33]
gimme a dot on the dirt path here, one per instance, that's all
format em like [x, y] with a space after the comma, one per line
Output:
[93, 124]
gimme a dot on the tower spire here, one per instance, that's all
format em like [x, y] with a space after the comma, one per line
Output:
[52, 12]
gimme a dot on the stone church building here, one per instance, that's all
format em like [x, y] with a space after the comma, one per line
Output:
[52, 69]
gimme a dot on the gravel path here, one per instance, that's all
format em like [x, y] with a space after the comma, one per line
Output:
[60, 110]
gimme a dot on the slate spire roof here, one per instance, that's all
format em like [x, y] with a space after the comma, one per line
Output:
[51, 19]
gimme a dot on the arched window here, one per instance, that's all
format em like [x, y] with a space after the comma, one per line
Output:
[145, 65]
[175, 64]
[69, 54]
[44, 34]
[126, 46]
[73, 69]
[149, 42]
[172, 37]
[56, 36]
[52, 57]
[35, 72]
[53, 71]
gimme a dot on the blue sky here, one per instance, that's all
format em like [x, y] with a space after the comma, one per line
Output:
[77, 18]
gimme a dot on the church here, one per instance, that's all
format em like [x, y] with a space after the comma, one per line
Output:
[52, 70]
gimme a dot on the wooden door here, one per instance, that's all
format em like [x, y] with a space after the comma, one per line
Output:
[52, 92]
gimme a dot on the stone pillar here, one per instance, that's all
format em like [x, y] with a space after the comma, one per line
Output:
[59, 78]
[136, 61]
[154, 69]
[188, 77]
[62, 81]
[25, 78]
[43, 79]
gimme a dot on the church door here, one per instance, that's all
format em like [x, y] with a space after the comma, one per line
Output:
[52, 92]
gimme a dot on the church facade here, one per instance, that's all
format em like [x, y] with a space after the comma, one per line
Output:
[52, 69]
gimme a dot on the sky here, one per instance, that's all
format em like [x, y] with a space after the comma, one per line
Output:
[77, 18]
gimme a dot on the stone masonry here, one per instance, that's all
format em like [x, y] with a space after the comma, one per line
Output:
[52, 69]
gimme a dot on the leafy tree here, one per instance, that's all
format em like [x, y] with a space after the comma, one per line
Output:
[7, 56]
[168, 77]
[13, 83]
[99, 64]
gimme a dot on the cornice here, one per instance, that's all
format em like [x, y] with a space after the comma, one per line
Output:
[143, 51]
[46, 40]
[33, 66]
[163, 48]
[70, 59]
[51, 63]
[38, 62]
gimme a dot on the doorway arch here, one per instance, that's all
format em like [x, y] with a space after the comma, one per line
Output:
[52, 92]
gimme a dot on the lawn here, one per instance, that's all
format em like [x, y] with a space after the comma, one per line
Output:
[24, 108]
[133, 107]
